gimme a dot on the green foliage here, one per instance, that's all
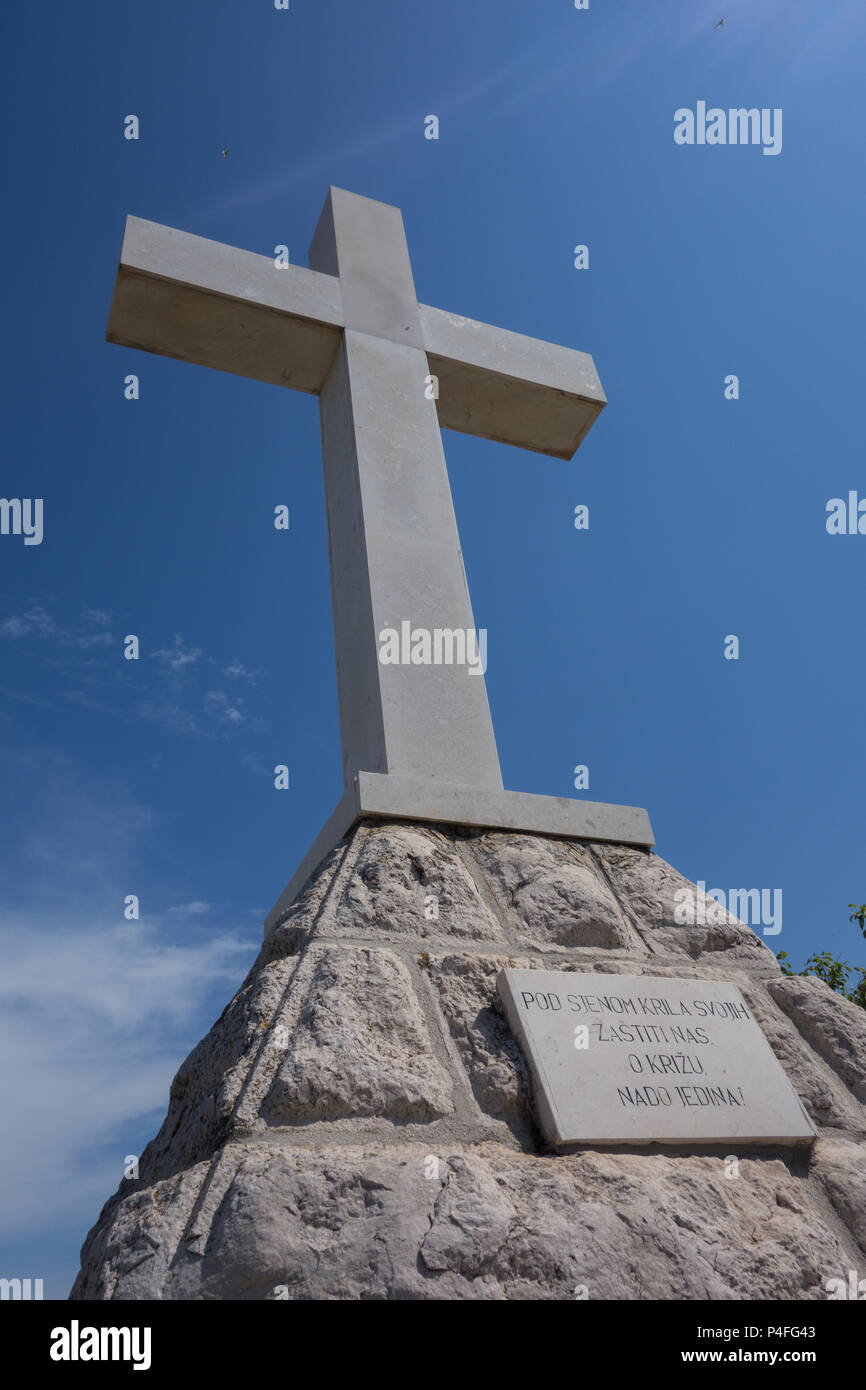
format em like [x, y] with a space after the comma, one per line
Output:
[859, 915]
[835, 973]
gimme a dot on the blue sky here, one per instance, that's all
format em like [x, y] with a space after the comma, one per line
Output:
[605, 647]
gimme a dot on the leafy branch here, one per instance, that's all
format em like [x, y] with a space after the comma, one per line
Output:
[835, 973]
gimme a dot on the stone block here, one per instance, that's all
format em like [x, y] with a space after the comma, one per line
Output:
[360, 1046]
[554, 891]
[408, 880]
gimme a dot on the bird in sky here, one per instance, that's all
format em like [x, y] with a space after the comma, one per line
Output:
[721, 22]
[225, 151]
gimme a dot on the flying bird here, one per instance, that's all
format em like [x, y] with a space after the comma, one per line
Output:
[225, 151]
[721, 22]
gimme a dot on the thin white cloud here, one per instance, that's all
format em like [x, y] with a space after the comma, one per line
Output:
[35, 622]
[217, 702]
[38, 623]
[97, 1020]
[24, 697]
[96, 1013]
[80, 697]
[170, 715]
[253, 763]
[238, 671]
[158, 693]
[179, 655]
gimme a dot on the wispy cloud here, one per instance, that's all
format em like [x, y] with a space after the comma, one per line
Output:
[217, 702]
[81, 697]
[37, 622]
[193, 909]
[24, 697]
[237, 671]
[179, 655]
[253, 763]
[96, 1012]
[97, 1018]
[170, 715]
[530, 75]
[165, 688]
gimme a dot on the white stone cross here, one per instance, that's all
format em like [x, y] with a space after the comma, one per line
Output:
[389, 372]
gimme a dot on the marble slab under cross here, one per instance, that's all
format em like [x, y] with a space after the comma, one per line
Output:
[390, 373]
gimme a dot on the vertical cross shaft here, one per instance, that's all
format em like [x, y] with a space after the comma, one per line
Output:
[394, 546]
[417, 739]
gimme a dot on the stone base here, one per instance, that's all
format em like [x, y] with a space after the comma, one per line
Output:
[265, 1221]
[445, 803]
[359, 1123]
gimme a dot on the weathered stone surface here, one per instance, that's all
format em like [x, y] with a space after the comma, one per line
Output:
[835, 1027]
[300, 917]
[555, 891]
[129, 1252]
[360, 1046]
[408, 880]
[466, 988]
[472, 1219]
[826, 1103]
[493, 1224]
[649, 888]
[208, 1084]
[359, 1122]
[841, 1167]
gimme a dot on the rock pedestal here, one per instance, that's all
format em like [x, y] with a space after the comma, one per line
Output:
[359, 1122]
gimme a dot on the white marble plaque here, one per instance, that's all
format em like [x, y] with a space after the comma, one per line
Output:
[624, 1059]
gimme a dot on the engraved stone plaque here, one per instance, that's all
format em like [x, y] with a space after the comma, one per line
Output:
[622, 1059]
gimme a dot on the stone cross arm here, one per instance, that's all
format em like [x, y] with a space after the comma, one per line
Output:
[198, 300]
